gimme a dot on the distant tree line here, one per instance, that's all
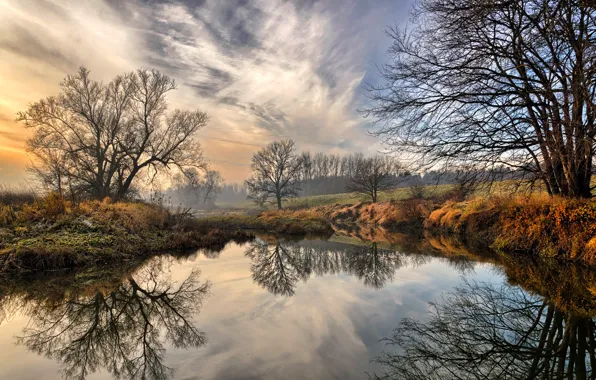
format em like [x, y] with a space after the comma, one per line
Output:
[280, 173]
[195, 190]
[232, 193]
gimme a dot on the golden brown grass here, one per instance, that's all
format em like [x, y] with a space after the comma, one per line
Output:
[390, 215]
[52, 233]
[539, 224]
[292, 222]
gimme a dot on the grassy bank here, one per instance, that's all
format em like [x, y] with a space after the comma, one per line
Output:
[393, 215]
[536, 225]
[288, 222]
[51, 233]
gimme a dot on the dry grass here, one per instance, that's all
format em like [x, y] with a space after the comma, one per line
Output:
[539, 224]
[469, 216]
[390, 215]
[553, 227]
[52, 233]
[292, 222]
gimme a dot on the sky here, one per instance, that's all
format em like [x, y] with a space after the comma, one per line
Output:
[263, 70]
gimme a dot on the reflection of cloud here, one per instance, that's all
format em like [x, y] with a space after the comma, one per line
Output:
[328, 329]
[261, 69]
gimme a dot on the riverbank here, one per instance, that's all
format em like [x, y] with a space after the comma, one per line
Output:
[285, 222]
[52, 234]
[536, 225]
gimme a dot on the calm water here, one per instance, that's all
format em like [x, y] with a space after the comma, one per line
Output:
[296, 310]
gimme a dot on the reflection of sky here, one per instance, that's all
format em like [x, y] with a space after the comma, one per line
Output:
[330, 328]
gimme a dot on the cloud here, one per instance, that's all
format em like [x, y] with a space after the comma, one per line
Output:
[262, 69]
[292, 71]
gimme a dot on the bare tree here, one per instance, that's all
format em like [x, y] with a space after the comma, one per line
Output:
[195, 189]
[276, 173]
[96, 138]
[211, 185]
[498, 84]
[374, 174]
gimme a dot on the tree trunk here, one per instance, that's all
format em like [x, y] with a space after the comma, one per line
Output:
[279, 202]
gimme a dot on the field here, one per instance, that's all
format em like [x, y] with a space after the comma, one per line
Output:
[341, 198]
[402, 193]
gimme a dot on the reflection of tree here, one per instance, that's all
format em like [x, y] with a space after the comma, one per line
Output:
[276, 267]
[375, 267]
[123, 331]
[480, 332]
[279, 266]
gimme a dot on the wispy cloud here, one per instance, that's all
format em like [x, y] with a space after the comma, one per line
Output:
[263, 69]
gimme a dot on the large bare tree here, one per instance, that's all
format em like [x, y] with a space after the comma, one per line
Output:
[373, 175]
[95, 138]
[495, 84]
[276, 173]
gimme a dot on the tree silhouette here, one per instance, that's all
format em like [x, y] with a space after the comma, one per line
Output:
[276, 173]
[373, 175]
[492, 85]
[94, 139]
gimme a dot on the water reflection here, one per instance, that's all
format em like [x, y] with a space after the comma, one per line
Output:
[481, 331]
[123, 331]
[279, 265]
[123, 321]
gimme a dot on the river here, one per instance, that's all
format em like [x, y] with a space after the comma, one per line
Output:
[339, 308]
